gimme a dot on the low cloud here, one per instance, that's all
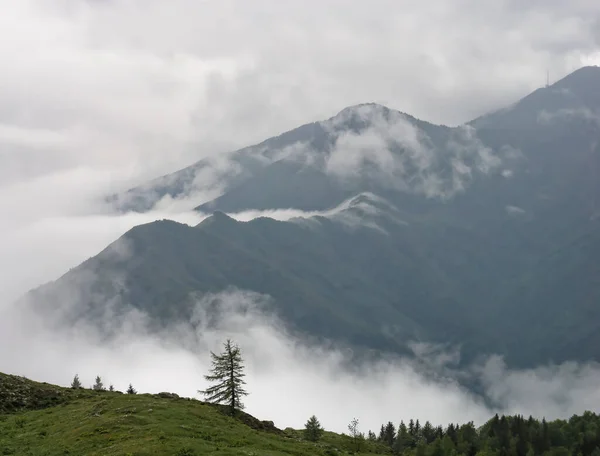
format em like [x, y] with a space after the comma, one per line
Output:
[515, 210]
[560, 115]
[289, 378]
[393, 150]
[363, 210]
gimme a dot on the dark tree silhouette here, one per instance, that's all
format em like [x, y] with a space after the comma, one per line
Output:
[98, 386]
[228, 373]
[312, 429]
[76, 384]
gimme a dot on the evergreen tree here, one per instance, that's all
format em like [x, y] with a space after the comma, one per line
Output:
[228, 371]
[468, 441]
[421, 449]
[545, 436]
[372, 437]
[111, 388]
[76, 384]
[448, 445]
[131, 389]
[312, 429]
[451, 432]
[439, 432]
[436, 448]
[428, 432]
[98, 386]
[389, 434]
[403, 439]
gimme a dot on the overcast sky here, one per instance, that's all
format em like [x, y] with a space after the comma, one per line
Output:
[102, 94]
[154, 84]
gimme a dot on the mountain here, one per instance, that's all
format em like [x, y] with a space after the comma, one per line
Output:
[485, 235]
[299, 163]
[353, 274]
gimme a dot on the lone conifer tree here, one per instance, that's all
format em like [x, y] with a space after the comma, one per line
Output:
[76, 384]
[131, 389]
[312, 429]
[98, 386]
[111, 388]
[228, 371]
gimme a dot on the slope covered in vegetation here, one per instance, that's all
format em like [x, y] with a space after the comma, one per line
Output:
[42, 419]
[86, 422]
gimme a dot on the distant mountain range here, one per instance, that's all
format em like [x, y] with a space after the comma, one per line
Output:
[485, 235]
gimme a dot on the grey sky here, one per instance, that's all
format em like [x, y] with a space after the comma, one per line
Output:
[158, 84]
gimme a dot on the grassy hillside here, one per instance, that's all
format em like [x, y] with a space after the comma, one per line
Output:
[41, 419]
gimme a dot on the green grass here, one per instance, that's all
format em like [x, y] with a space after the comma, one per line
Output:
[102, 423]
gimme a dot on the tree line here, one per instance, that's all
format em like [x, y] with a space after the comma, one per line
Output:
[99, 385]
[500, 436]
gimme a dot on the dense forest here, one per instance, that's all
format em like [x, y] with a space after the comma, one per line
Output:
[500, 436]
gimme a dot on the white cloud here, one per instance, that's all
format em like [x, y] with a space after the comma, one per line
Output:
[289, 379]
[391, 149]
[514, 210]
[585, 114]
[362, 210]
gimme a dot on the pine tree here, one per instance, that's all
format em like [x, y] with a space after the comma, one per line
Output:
[228, 371]
[389, 434]
[312, 429]
[98, 386]
[403, 440]
[451, 432]
[439, 432]
[131, 390]
[76, 384]
[428, 432]
[111, 388]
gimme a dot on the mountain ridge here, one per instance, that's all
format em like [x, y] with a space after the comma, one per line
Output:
[178, 184]
[472, 227]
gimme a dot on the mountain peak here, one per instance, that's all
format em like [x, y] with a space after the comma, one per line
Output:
[579, 91]
[362, 108]
[580, 80]
[218, 217]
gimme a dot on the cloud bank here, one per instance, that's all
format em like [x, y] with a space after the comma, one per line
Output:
[289, 378]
